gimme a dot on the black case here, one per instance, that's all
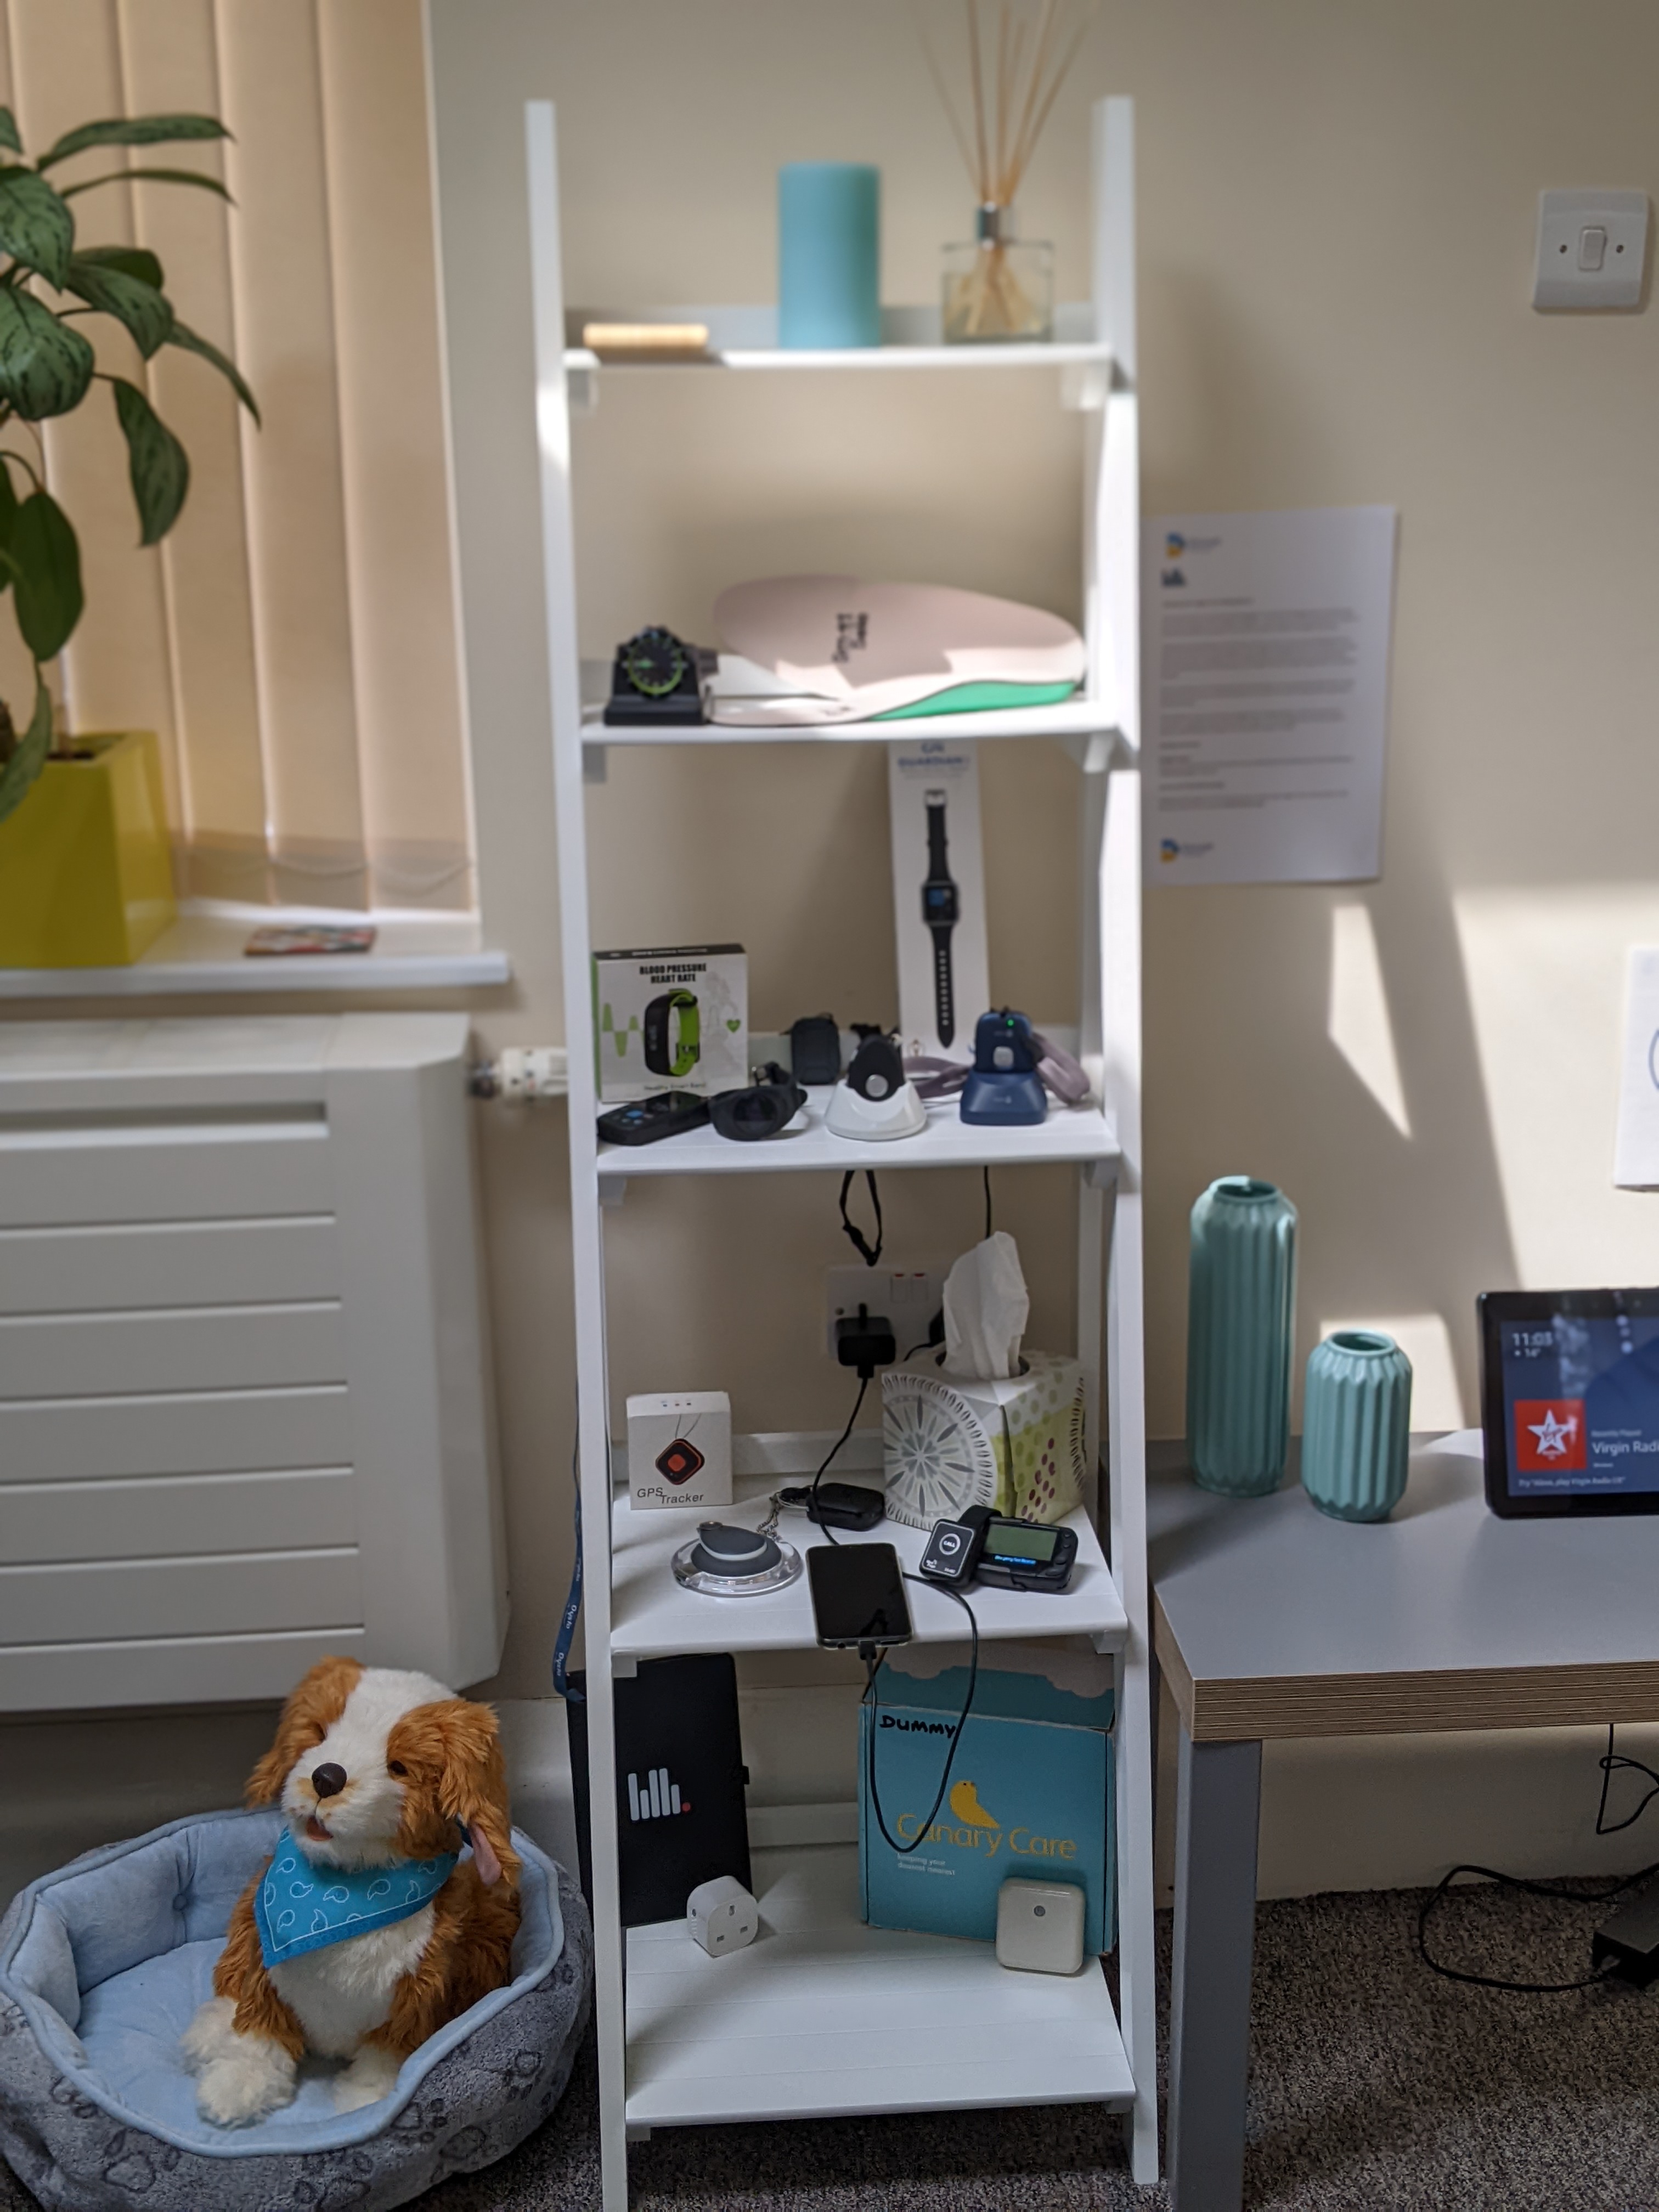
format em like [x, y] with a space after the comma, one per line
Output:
[676, 1718]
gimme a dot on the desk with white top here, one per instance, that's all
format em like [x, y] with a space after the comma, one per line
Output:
[1271, 1621]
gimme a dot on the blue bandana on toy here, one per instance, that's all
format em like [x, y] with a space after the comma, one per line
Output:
[301, 1907]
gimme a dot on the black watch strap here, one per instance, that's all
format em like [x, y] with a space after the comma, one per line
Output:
[944, 1002]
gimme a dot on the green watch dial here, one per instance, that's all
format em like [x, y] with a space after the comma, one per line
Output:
[654, 662]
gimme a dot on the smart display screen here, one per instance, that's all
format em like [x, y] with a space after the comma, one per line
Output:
[1580, 1397]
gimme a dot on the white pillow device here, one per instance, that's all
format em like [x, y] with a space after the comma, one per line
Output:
[1040, 1926]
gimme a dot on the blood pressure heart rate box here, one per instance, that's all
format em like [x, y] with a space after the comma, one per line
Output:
[672, 1017]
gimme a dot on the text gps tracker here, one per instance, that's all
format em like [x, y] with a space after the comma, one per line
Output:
[763, 1111]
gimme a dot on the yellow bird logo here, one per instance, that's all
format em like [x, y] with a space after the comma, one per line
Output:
[964, 1803]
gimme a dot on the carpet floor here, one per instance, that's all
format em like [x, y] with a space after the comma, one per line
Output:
[1376, 2087]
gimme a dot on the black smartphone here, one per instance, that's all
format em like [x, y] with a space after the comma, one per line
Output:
[858, 1595]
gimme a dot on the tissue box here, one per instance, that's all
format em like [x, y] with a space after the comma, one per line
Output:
[1030, 1788]
[1034, 1424]
[679, 1449]
[674, 1018]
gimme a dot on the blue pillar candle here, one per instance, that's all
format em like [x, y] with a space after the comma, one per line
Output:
[829, 254]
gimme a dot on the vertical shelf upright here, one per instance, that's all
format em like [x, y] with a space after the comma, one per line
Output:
[823, 2016]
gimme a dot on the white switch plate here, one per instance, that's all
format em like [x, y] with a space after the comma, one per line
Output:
[1566, 275]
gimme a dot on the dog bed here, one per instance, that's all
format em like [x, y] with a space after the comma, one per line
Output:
[102, 1966]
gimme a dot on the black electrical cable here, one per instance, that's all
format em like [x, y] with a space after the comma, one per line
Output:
[867, 1252]
[1611, 1762]
[1533, 1889]
[989, 1216]
[870, 1699]
[573, 1604]
[828, 1457]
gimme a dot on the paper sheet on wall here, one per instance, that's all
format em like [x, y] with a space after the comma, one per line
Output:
[1265, 695]
[1635, 1148]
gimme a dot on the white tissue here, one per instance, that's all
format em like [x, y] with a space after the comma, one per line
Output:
[987, 1306]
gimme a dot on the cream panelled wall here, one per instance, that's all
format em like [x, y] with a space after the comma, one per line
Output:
[293, 639]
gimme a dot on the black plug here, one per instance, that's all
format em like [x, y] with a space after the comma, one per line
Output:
[866, 1343]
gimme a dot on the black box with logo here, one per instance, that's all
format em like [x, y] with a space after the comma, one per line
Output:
[681, 1818]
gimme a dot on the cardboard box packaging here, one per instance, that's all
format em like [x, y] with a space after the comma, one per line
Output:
[1031, 1786]
[672, 1018]
[679, 1449]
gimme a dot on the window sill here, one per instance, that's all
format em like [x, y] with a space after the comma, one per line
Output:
[203, 954]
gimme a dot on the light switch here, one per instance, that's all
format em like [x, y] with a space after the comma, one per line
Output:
[1592, 249]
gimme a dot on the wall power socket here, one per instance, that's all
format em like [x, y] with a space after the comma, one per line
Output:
[909, 1296]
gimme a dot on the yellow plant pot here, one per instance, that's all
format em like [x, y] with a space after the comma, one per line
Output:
[86, 869]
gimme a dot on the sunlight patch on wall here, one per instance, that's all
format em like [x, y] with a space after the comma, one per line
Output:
[1545, 970]
[1359, 1026]
[1425, 1339]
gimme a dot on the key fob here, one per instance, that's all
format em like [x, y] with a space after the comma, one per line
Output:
[952, 1552]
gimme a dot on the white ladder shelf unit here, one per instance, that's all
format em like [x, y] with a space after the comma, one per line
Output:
[824, 2015]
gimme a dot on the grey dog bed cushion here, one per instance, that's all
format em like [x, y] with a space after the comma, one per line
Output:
[102, 1966]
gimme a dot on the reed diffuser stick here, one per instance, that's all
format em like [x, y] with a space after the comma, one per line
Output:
[1019, 54]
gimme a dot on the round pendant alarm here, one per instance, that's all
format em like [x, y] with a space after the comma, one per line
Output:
[937, 1456]
[722, 1561]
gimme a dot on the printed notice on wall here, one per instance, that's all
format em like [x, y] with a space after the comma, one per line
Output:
[1265, 695]
[1635, 1148]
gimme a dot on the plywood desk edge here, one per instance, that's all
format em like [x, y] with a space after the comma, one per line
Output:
[1235, 1708]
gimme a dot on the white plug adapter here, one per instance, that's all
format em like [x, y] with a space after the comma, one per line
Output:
[722, 1916]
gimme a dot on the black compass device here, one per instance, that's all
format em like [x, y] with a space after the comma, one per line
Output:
[941, 909]
[656, 678]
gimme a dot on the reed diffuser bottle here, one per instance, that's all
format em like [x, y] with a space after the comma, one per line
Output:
[998, 288]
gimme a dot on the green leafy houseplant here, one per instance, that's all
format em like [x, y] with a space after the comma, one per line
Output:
[47, 367]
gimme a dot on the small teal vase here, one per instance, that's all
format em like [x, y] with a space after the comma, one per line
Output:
[1356, 1424]
[1241, 1312]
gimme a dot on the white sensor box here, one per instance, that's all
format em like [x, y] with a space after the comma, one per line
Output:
[1040, 1926]
[722, 1916]
[679, 1449]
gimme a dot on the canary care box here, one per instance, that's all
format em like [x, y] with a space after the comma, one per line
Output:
[1030, 1786]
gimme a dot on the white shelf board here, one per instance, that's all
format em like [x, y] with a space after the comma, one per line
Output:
[653, 1617]
[821, 2016]
[202, 953]
[1070, 1133]
[1069, 718]
[1055, 353]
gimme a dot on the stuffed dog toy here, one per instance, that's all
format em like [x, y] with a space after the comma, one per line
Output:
[366, 1930]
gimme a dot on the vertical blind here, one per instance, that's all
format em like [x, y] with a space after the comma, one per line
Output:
[294, 640]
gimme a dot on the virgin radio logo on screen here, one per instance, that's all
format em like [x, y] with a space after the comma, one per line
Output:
[1549, 1435]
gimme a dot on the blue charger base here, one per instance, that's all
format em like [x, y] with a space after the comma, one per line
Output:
[1003, 1100]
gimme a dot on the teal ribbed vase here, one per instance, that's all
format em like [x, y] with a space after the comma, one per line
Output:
[1356, 1424]
[1241, 1309]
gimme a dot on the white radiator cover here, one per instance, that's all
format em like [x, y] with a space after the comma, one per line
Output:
[244, 1413]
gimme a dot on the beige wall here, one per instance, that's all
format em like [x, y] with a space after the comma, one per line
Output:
[1336, 217]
